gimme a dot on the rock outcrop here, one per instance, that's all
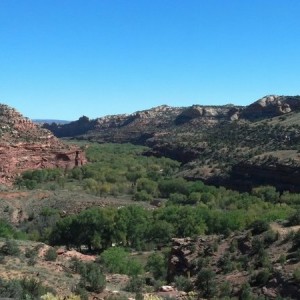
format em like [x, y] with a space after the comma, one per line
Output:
[184, 252]
[24, 145]
[271, 106]
[207, 112]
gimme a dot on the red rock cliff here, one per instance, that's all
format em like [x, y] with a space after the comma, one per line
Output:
[24, 145]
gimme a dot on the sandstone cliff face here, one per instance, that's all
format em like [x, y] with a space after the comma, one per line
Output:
[271, 106]
[208, 112]
[24, 146]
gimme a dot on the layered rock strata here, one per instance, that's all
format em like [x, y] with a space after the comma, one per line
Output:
[24, 145]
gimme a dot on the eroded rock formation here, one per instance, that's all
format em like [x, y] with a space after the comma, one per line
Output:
[24, 145]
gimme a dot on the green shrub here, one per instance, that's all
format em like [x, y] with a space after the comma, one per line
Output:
[296, 275]
[117, 260]
[81, 292]
[194, 198]
[30, 253]
[205, 282]
[296, 238]
[262, 277]
[31, 261]
[226, 263]
[257, 245]
[92, 278]
[147, 185]
[156, 264]
[50, 254]
[282, 259]
[178, 198]
[183, 284]
[10, 247]
[294, 219]
[260, 226]
[6, 230]
[142, 196]
[225, 290]
[95, 278]
[246, 292]
[27, 288]
[270, 237]
[135, 284]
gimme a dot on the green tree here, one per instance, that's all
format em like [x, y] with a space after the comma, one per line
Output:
[145, 184]
[117, 260]
[206, 282]
[156, 264]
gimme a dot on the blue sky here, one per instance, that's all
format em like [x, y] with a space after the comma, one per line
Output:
[67, 58]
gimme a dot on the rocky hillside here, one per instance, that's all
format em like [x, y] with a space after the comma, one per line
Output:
[215, 143]
[261, 262]
[24, 145]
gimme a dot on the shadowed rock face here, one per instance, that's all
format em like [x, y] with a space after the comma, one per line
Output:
[24, 146]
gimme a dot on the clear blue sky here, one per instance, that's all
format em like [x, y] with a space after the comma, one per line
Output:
[67, 58]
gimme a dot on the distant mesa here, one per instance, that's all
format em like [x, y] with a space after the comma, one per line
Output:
[49, 121]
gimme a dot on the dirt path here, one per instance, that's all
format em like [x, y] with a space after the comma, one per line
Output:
[284, 230]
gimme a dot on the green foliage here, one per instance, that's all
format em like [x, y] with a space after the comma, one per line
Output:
[182, 283]
[157, 265]
[95, 278]
[296, 275]
[262, 277]
[142, 196]
[177, 198]
[194, 197]
[282, 259]
[226, 263]
[206, 282]
[246, 292]
[31, 254]
[296, 239]
[147, 185]
[294, 219]
[31, 179]
[225, 290]
[260, 226]
[135, 284]
[24, 289]
[270, 237]
[6, 230]
[262, 259]
[171, 186]
[267, 193]
[117, 260]
[92, 277]
[10, 247]
[50, 254]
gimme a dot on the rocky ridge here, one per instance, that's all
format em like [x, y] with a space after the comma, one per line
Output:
[214, 143]
[156, 120]
[24, 145]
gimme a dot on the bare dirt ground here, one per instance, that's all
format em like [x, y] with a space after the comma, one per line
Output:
[284, 230]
